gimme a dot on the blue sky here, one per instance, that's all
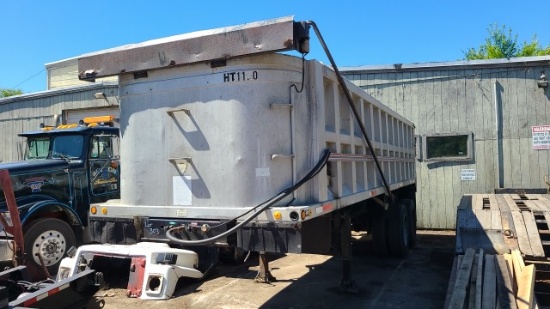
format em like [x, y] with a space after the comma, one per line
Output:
[361, 32]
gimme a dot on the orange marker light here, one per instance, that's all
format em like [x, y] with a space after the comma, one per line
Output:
[277, 215]
[104, 210]
[93, 210]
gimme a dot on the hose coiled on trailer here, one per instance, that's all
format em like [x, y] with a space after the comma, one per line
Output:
[259, 208]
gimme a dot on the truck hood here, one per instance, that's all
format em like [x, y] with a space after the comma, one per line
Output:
[34, 165]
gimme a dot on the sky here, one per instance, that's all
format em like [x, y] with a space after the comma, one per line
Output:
[357, 32]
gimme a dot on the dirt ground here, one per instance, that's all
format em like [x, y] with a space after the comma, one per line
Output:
[312, 281]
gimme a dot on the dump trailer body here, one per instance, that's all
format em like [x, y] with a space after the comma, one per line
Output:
[207, 142]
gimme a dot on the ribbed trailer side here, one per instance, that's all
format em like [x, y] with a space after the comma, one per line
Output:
[220, 145]
[352, 175]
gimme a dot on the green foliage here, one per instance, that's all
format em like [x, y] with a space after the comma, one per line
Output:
[4, 92]
[502, 43]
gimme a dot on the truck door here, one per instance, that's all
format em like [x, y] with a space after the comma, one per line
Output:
[104, 167]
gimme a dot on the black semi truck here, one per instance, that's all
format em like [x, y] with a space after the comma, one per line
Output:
[65, 168]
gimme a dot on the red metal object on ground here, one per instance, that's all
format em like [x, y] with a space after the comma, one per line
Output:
[137, 275]
[15, 227]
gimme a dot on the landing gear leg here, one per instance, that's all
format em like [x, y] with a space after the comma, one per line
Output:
[347, 284]
[264, 275]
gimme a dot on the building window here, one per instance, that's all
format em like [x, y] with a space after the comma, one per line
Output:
[448, 147]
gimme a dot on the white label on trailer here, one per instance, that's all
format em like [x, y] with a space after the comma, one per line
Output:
[468, 174]
[262, 172]
[181, 188]
[541, 137]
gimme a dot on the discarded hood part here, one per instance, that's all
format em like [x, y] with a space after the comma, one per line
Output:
[154, 268]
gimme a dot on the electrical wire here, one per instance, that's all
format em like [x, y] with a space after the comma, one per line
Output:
[303, 74]
[28, 79]
[259, 208]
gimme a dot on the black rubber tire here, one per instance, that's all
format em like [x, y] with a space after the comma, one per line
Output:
[378, 231]
[411, 207]
[398, 230]
[48, 234]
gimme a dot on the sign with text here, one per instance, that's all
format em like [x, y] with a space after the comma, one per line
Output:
[468, 174]
[541, 137]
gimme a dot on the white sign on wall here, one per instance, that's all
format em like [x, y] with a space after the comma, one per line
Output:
[181, 188]
[468, 174]
[541, 137]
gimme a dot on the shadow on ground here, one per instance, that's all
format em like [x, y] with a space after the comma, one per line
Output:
[418, 281]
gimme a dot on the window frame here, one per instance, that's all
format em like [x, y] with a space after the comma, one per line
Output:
[469, 147]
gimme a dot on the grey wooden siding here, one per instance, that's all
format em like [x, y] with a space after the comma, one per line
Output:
[26, 112]
[64, 73]
[461, 99]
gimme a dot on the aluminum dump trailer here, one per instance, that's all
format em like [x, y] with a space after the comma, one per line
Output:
[251, 148]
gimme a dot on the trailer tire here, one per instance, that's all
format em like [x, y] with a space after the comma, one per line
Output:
[379, 235]
[398, 230]
[49, 239]
[232, 255]
[411, 207]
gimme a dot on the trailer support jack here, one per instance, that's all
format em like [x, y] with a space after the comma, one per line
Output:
[347, 285]
[264, 275]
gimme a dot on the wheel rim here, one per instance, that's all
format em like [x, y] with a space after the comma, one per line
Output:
[50, 246]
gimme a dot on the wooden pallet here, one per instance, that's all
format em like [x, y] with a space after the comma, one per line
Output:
[491, 281]
[499, 223]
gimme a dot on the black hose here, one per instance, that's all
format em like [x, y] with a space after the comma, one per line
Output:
[260, 208]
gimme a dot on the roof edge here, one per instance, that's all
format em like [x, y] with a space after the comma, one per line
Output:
[57, 91]
[461, 64]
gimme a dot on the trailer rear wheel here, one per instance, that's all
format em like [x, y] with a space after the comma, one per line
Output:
[398, 230]
[48, 240]
[411, 207]
[379, 235]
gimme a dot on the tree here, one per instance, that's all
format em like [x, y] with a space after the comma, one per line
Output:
[501, 43]
[4, 92]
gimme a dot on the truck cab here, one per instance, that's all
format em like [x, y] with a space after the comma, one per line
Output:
[65, 168]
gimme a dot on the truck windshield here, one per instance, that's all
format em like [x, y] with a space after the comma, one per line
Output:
[67, 146]
[38, 148]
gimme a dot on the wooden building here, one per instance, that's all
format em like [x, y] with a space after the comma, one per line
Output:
[67, 100]
[481, 125]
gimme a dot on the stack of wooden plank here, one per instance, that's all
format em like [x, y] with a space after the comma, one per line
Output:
[481, 280]
[499, 223]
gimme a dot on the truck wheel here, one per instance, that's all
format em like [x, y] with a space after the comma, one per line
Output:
[232, 255]
[48, 239]
[379, 235]
[399, 230]
[411, 207]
